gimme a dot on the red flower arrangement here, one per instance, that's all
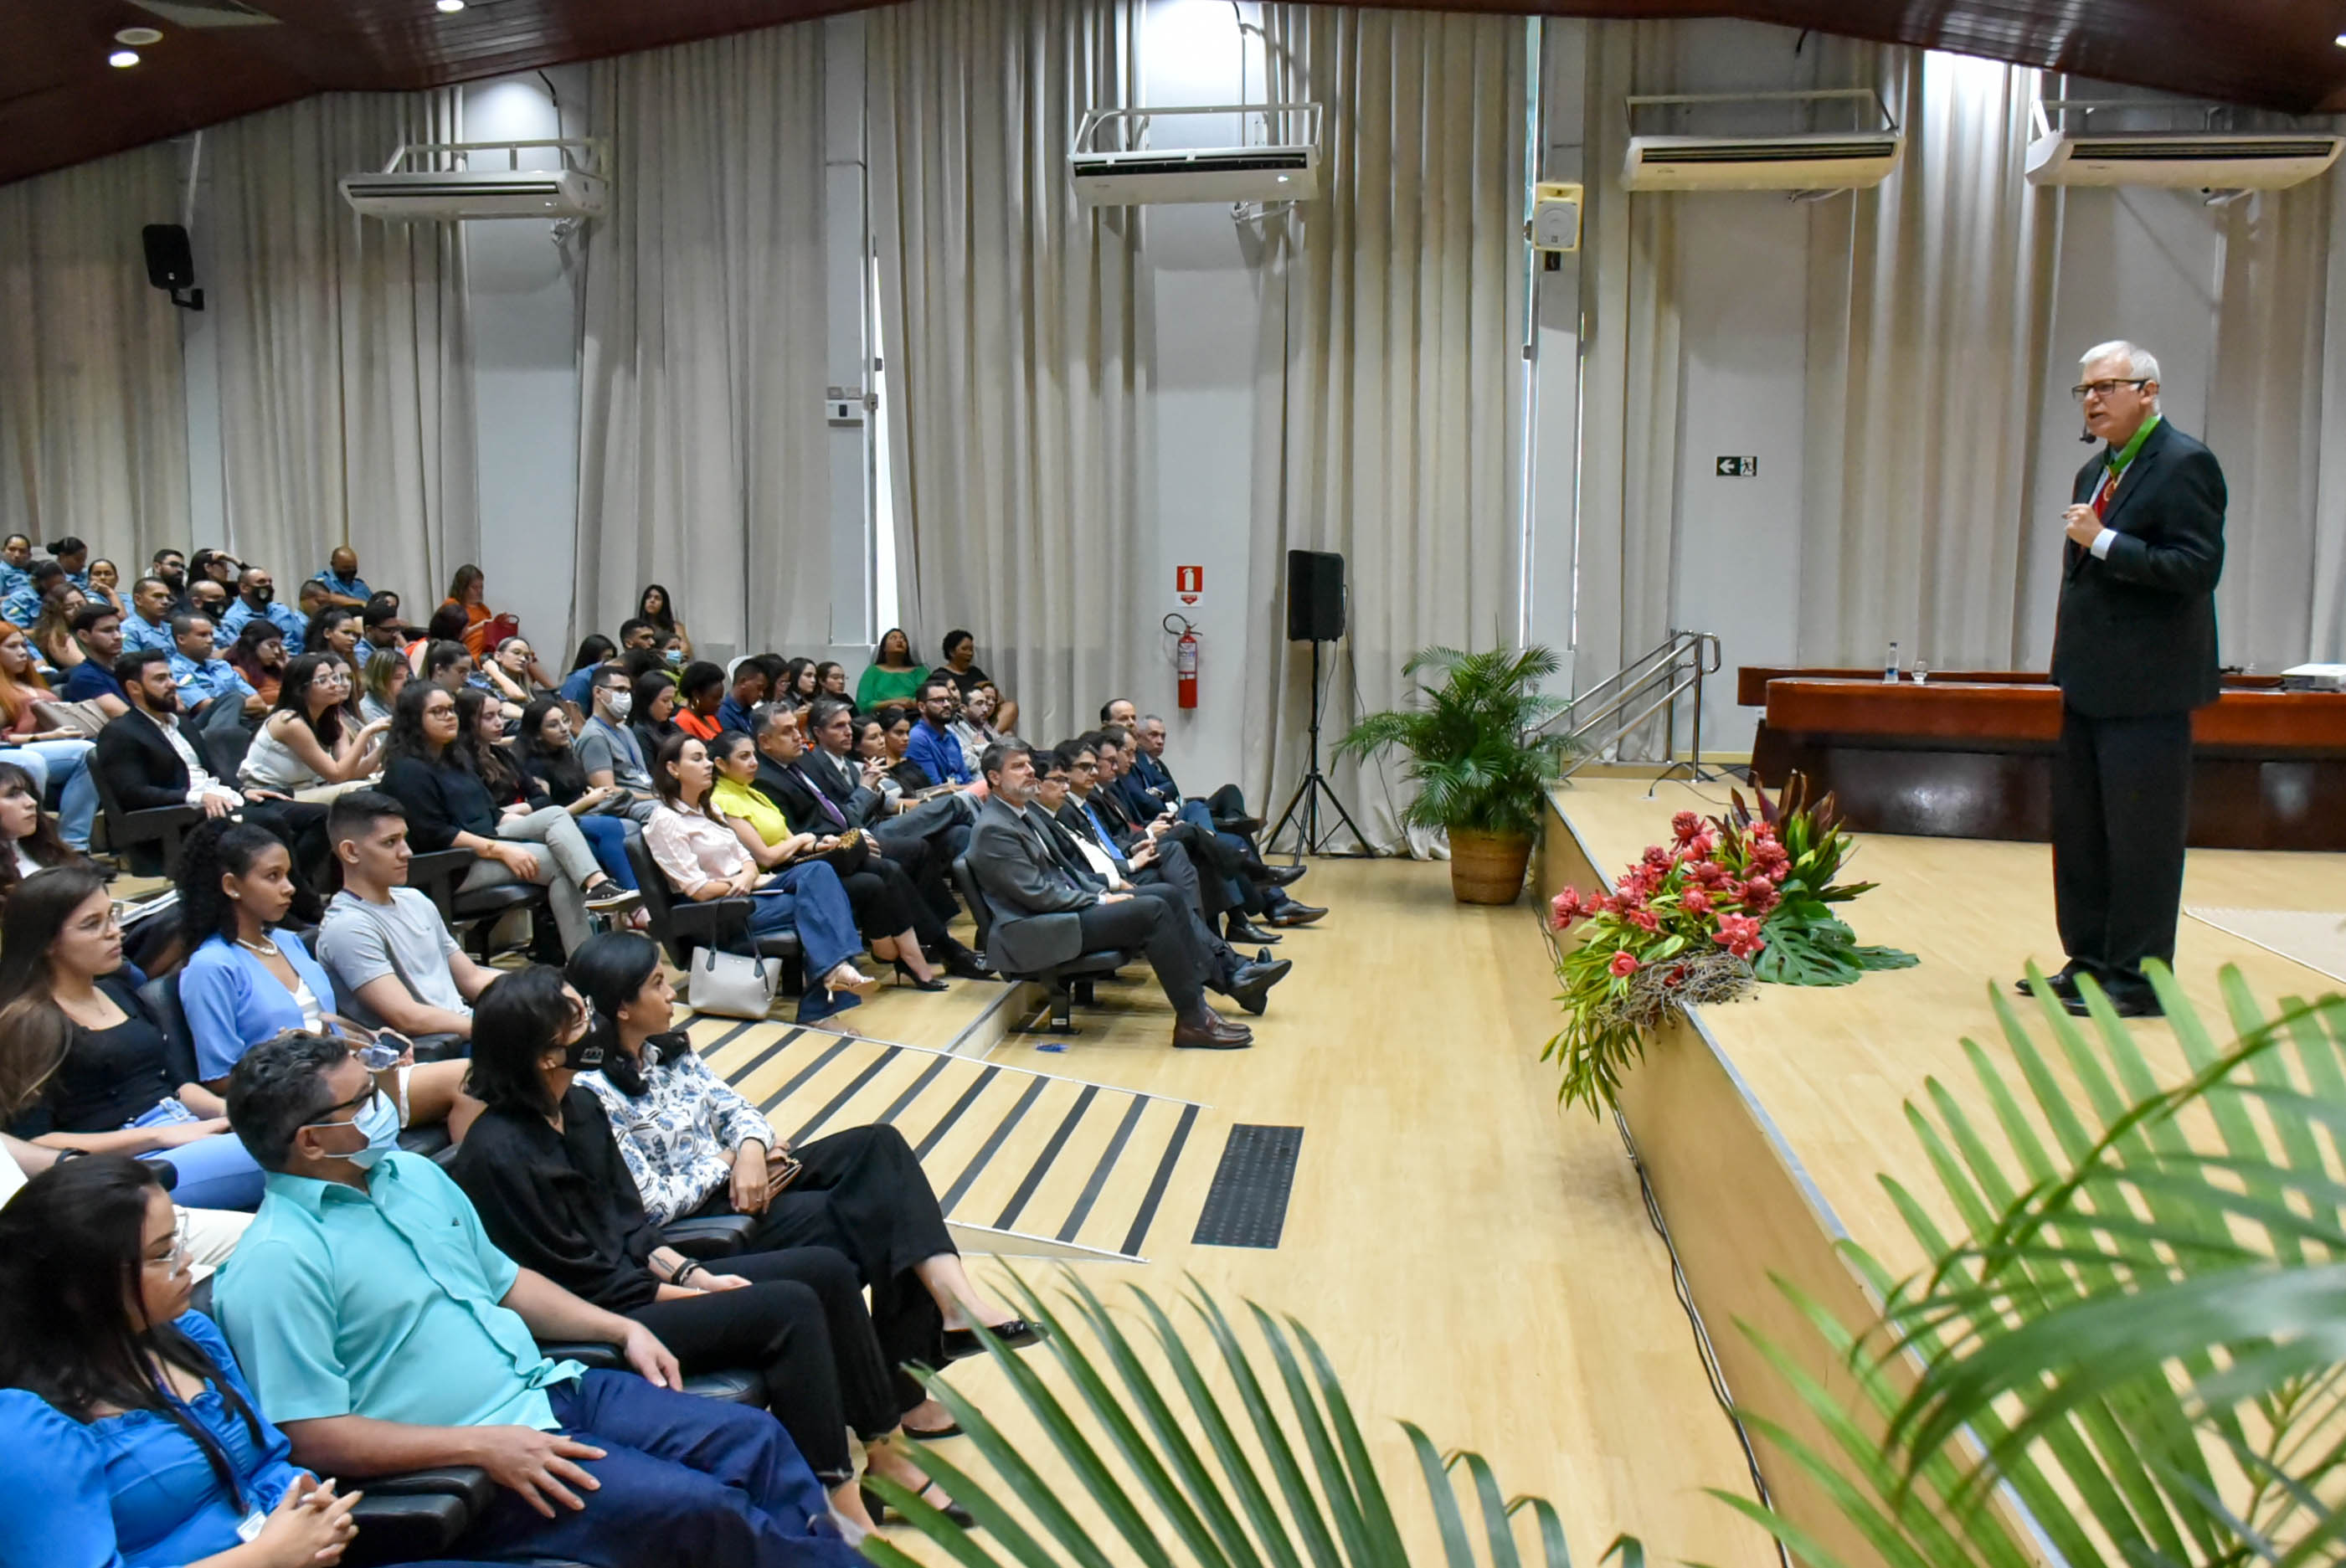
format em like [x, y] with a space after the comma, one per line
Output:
[1730, 899]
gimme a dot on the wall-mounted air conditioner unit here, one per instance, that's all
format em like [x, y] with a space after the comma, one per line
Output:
[577, 190]
[2068, 150]
[1275, 158]
[1795, 159]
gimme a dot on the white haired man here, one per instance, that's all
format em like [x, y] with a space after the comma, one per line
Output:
[2134, 652]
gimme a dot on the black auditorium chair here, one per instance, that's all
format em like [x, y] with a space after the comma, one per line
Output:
[147, 841]
[161, 996]
[474, 915]
[1067, 985]
[680, 925]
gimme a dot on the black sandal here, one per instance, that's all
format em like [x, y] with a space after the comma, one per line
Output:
[882, 1514]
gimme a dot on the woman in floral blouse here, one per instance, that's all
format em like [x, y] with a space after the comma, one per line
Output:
[696, 1146]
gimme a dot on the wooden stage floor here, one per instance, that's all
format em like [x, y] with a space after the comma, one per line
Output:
[1470, 1258]
[1766, 1127]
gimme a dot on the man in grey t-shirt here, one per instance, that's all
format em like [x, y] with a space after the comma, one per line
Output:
[391, 958]
[607, 751]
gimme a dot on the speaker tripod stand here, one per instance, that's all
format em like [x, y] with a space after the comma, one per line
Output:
[1311, 834]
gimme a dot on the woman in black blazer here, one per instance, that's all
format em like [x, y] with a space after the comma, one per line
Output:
[542, 1167]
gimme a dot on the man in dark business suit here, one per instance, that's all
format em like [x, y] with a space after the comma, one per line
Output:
[2134, 652]
[1045, 915]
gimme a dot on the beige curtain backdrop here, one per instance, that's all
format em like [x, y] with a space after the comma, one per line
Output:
[1013, 322]
[1389, 391]
[1929, 307]
[2264, 422]
[1631, 375]
[701, 460]
[93, 403]
[345, 358]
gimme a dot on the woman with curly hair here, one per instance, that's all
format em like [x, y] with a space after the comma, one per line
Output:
[131, 1433]
[248, 978]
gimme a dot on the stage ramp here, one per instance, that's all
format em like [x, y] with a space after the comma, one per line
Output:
[1026, 1163]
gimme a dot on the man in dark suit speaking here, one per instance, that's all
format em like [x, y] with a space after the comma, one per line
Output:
[2134, 652]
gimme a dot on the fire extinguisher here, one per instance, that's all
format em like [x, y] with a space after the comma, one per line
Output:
[1185, 661]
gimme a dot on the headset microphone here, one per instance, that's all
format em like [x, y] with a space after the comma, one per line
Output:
[2086, 436]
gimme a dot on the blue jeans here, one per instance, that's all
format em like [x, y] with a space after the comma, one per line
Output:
[810, 899]
[684, 1480]
[66, 764]
[607, 837]
[214, 1173]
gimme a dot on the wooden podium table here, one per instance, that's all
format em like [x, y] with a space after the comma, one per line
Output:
[1969, 755]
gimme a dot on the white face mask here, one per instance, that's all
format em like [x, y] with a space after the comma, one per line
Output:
[620, 703]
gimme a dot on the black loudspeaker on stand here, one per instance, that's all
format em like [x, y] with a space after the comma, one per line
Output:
[1315, 614]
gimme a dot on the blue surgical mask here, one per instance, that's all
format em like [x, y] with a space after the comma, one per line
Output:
[379, 1120]
[676, 656]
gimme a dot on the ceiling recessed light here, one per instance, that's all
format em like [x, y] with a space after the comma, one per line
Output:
[139, 37]
[449, 8]
[2339, 40]
[122, 57]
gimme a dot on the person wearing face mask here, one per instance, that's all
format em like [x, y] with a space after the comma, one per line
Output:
[606, 748]
[257, 600]
[384, 1332]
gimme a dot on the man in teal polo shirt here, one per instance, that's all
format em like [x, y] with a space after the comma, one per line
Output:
[383, 1333]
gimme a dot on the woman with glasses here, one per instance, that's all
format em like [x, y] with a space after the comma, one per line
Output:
[543, 1170]
[85, 1064]
[131, 1434]
[305, 741]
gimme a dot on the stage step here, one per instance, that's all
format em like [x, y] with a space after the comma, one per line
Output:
[1026, 1163]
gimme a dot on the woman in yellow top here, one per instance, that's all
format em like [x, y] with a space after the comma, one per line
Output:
[880, 894]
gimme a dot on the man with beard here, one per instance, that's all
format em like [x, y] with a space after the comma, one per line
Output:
[149, 760]
[257, 600]
[170, 568]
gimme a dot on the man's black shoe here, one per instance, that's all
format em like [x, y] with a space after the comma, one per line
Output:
[2125, 1004]
[963, 964]
[2062, 983]
[1250, 986]
[1279, 876]
[1237, 927]
[1243, 827]
[1292, 913]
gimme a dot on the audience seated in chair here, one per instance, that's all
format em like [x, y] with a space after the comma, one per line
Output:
[700, 692]
[98, 637]
[56, 756]
[584, 848]
[961, 668]
[256, 600]
[507, 671]
[543, 750]
[381, 679]
[553, 1194]
[654, 608]
[745, 689]
[341, 581]
[694, 1147]
[211, 690]
[703, 858]
[932, 747]
[594, 652]
[611, 751]
[307, 740]
[429, 772]
[29, 841]
[894, 674]
[1045, 913]
[83, 1060]
[383, 1333]
[1151, 861]
[886, 909]
[132, 1433]
[248, 979]
[919, 844]
[391, 957]
[153, 603]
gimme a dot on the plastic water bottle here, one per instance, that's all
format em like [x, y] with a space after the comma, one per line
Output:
[1889, 666]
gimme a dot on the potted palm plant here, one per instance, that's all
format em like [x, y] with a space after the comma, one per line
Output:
[1479, 757]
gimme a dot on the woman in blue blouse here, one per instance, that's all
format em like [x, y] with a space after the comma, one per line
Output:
[248, 979]
[131, 1437]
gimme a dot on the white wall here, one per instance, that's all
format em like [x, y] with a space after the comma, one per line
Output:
[525, 369]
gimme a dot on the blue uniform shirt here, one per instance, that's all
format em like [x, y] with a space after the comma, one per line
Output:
[201, 683]
[242, 615]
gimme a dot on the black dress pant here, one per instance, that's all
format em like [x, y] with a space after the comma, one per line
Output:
[801, 1323]
[883, 899]
[2121, 806]
[1157, 926]
[862, 1193]
[1175, 875]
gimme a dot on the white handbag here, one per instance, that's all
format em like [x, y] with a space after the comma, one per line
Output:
[732, 984]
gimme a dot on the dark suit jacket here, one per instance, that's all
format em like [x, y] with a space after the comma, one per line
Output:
[1035, 898]
[141, 765]
[797, 797]
[1150, 775]
[845, 787]
[2136, 633]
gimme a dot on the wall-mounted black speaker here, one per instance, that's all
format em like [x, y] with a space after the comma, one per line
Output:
[172, 263]
[1315, 595]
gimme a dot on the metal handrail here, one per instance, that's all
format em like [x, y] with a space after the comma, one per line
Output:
[1670, 669]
